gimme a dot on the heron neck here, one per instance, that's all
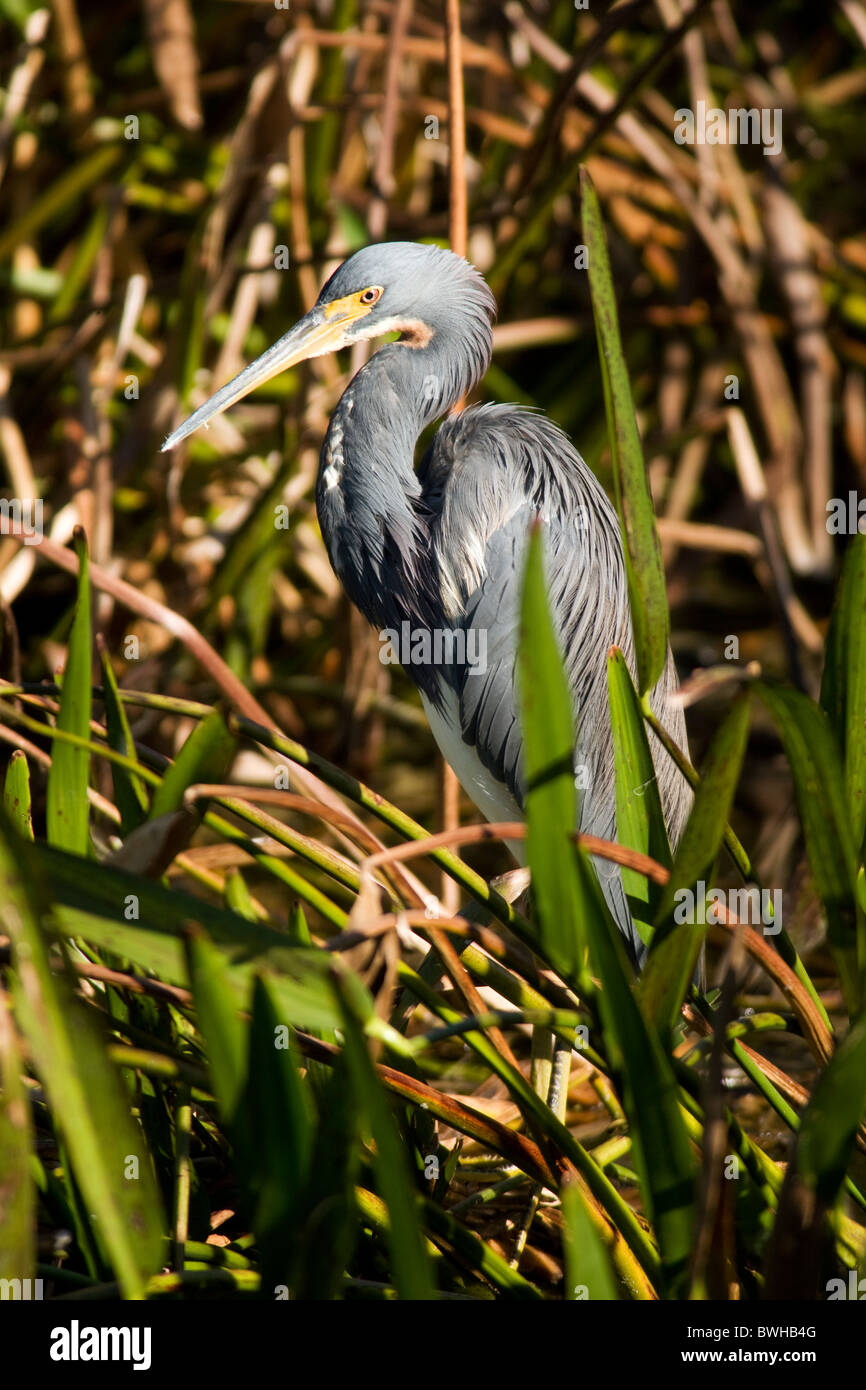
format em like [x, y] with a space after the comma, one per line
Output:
[373, 516]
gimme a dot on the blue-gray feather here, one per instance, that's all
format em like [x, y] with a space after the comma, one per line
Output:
[443, 547]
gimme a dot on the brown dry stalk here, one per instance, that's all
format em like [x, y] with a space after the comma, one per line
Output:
[383, 167]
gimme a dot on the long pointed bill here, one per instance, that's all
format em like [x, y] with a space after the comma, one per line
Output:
[320, 331]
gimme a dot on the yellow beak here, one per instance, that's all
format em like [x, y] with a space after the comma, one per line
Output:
[321, 331]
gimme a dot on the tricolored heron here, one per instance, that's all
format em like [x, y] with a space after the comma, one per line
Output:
[441, 548]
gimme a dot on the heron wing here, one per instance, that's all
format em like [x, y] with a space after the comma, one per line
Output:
[490, 472]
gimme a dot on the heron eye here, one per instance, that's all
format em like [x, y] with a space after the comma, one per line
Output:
[371, 295]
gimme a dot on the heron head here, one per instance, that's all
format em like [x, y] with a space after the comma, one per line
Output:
[394, 286]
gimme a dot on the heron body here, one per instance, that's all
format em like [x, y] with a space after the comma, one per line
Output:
[438, 551]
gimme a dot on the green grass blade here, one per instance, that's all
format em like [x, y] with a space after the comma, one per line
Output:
[816, 1173]
[264, 1104]
[16, 794]
[78, 270]
[130, 793]
[830, 1122]
[281, 1128]
[677, 944]
[237, 895]
[17, 1191]
[640, 822]
[92, 901]
[330, 1228]
[646, 577]
[843, 688]
[298, 930]
[88, 1101]
[66, 811]
[410, 1262]
[548, 731]
[588, 1273]
[819, 785]
[205, 757]
[661, 1147]
[224, 1031]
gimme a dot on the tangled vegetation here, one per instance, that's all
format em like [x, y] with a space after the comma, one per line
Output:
[261, 1035]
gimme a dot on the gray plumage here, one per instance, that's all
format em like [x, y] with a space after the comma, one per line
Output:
[442, 546]
[445, 546]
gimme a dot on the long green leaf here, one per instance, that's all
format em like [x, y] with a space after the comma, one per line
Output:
[142, 921]
[281, 1120]
[87, 1099]
[661, 1147]
[646, 578]
[330, 1227]
[824, 811]
[816, 1172]
[829, 1125]
[640, 822]
[409, 1258]
[677, 944]
[66, 811]
[17, 1192]
[130, 793]
[588, 1273]
[548, 734]
[843, 688]
[223, 1030]
[205, 757]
